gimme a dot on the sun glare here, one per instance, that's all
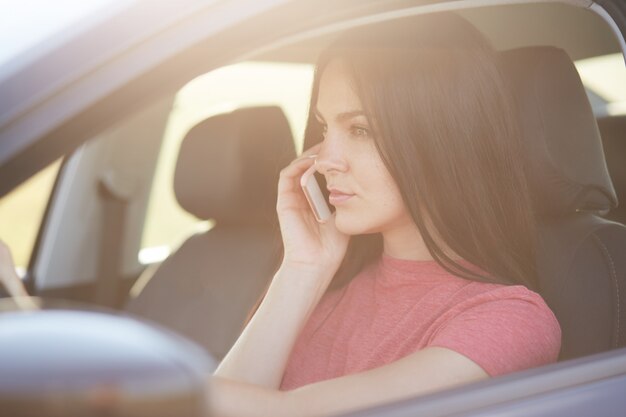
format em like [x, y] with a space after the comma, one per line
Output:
[606, 76]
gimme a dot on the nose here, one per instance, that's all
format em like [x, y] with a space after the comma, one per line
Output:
[331, 156]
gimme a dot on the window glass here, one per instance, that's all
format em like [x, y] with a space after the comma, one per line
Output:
[605, 79]
[21, 212]
[220, 91]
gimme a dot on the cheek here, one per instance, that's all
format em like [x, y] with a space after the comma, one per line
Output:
[375, 181]
[385, 197]
[378, 208]
[390, 206]
[380, 204]
[382, 187]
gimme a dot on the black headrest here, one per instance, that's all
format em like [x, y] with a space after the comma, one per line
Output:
[228, 165]
[566, 163]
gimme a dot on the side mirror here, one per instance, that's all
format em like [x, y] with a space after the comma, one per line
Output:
[65, 362]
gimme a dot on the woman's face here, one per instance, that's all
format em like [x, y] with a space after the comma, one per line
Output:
[364, 194]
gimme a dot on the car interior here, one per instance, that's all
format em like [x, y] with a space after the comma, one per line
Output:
[226, 169]
[580, 253]
[249, 147]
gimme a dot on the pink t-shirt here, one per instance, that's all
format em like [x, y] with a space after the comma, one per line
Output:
[396, 307]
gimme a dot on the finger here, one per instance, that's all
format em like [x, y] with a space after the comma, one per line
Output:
[289, 180]
[296, 168]
[307, 155]
[289, 185]
[303, 158]
[313, 150]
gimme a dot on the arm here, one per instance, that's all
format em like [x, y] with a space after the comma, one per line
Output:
[8, 276]
[12, 282]
[260, 354]
[422, 372]
[313, 253]
[505, 330]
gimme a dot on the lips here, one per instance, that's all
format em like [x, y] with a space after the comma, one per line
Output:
[337, 197]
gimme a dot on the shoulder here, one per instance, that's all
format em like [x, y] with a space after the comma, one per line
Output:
[502, 328]
[512, 302]
[496, 296]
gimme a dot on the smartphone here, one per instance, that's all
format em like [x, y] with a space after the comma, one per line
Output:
[314, 195]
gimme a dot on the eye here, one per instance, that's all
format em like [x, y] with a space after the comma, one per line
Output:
[359, 131]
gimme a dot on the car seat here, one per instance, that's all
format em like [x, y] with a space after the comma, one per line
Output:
[581, 256]
[227, 170]
[613, 131]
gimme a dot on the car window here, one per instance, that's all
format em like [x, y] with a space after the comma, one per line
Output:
[604, 78]
[286, 85]
[21, 212]
[222, 90]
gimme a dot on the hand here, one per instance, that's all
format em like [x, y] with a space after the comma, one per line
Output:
[307, 243]
[8, 276]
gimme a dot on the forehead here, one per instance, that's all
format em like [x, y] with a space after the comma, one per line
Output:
[336, 90]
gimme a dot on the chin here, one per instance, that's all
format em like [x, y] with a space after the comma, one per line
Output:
[351, 225]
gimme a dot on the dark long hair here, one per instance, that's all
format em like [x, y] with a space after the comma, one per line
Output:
[445, 127]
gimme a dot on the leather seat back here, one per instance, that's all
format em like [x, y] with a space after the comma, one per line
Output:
[613, 131]
[227, 170]
[581, 256]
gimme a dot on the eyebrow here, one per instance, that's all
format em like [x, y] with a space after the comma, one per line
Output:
[343, 116]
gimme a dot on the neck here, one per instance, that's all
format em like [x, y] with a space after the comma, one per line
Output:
[405, 243]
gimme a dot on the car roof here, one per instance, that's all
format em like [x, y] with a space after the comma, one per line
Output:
[28, 29]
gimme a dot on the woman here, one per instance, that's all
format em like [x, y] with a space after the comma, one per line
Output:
[8, 277]
[422, 278]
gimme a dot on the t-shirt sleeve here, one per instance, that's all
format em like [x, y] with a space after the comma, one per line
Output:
[503, 330]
